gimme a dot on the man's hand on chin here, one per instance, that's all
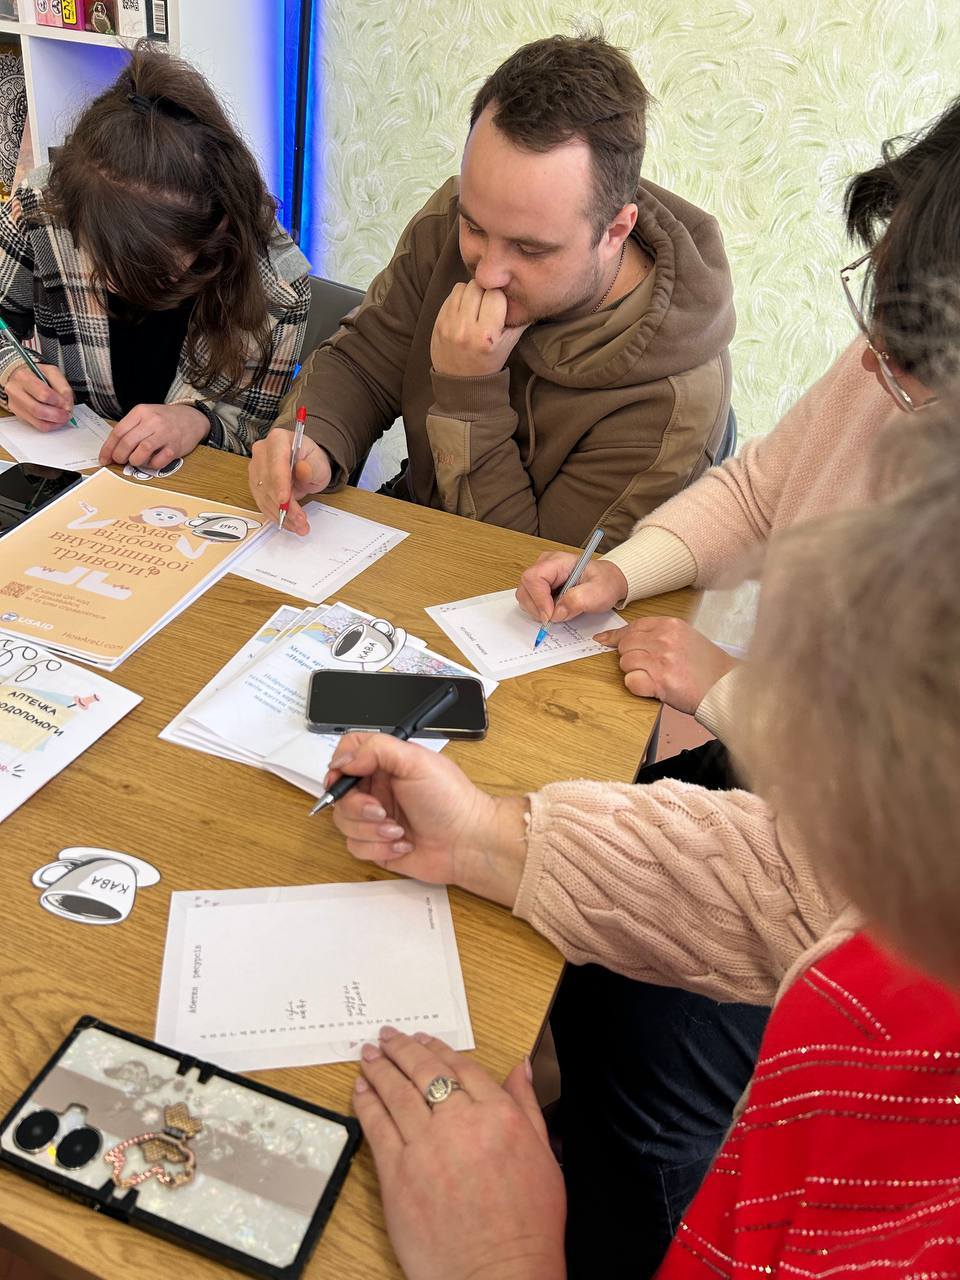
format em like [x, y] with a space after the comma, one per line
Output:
[470, 336]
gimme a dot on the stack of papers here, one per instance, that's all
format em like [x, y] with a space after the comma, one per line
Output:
[320, 564]
[73, 448]
[50, 711]
[497, 636]
[285, 977]
[98, 571]
[254, 711]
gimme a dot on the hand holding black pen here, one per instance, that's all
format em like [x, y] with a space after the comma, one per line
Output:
[419, 718]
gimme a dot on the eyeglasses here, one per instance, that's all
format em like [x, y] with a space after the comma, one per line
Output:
[891, 381]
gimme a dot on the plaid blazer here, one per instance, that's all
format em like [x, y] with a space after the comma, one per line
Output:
[48, 297]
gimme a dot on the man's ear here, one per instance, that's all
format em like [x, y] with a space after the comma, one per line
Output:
[619, 228]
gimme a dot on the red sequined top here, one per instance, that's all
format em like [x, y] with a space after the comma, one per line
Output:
[845, 1161]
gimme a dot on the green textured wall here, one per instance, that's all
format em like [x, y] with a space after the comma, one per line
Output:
[765, 108]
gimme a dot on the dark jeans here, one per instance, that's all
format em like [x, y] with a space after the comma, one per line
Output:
[650, 1076]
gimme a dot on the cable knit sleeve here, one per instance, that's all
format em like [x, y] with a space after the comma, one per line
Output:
[671, 884]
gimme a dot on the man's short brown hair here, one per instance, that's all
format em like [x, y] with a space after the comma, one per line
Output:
[575, 87]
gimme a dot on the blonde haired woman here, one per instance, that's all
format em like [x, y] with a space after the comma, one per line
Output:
[842, 1160]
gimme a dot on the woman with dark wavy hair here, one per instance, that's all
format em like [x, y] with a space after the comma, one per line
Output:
[147, 265]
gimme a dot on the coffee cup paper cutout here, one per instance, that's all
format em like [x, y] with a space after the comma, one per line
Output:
[148, 473]
[368, 645]
[220, 526]
[93, 886]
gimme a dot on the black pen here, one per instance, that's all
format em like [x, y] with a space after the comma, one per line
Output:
[419, 718]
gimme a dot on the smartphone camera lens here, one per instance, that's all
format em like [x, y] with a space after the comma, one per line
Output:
[78, 1148]
[36, 1130]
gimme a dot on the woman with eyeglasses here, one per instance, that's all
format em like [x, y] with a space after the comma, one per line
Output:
[673, 1062]
[842, 1163]
[146, 267]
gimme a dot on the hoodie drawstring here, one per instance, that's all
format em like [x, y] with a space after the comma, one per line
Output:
[528, 402]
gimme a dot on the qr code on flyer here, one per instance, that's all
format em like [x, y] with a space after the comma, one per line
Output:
[14, 589]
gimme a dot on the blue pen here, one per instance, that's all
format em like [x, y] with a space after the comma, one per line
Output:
[25, 355]
[592, 543]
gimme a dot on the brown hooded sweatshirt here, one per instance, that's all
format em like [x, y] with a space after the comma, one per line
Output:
[592, 421]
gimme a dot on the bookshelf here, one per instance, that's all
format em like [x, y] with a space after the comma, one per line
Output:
[237, 44]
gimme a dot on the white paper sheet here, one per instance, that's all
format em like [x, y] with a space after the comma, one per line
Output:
[495, 634]
[282, 977]
[73, 448]
[50, 712]
[338, 547]
[254, 710]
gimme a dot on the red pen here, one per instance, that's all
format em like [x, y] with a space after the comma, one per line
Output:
[297, 442]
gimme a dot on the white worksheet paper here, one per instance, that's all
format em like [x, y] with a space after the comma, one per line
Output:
[73, 448]
[285, 977]
[495, 634]
[338, 547]
[254, 710]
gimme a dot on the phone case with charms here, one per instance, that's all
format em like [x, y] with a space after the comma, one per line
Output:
[203, 1157]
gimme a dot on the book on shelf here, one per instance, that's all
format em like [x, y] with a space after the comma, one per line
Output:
[132, 18]
[9, 11]
[158, 19]
[74, 14]
[48, 13]
[102, 17]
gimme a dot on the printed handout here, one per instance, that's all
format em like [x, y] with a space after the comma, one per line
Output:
[495, 634]
[283, 977]
[50, 711]
[254, 711]
[73, 448]
[98, 571]
[338, 547]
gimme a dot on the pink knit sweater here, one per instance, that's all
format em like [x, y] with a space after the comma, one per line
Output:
[811, 463]
[670, 883]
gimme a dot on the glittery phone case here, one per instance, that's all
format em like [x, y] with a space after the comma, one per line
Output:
[265, 1167]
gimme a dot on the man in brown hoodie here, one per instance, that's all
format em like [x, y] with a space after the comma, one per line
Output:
[552, 329]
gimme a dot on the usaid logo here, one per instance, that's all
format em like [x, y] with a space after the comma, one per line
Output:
[27, 622]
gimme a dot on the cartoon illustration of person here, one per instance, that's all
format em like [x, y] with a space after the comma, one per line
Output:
[213, 526]
[93, 580]
[156, 517]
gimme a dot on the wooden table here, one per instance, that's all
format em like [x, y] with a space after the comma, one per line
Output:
[210, 823]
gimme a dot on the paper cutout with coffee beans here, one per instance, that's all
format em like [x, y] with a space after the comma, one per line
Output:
[93, 886]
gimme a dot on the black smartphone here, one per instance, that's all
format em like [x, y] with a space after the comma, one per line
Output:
[343, 700]
[26, 487]
[208, 1159]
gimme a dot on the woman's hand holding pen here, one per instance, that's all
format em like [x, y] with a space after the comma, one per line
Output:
[45, 407]
[418, 814]
[270, 479]
[599, 589]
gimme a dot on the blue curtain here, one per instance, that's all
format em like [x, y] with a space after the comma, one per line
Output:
[291, 19]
